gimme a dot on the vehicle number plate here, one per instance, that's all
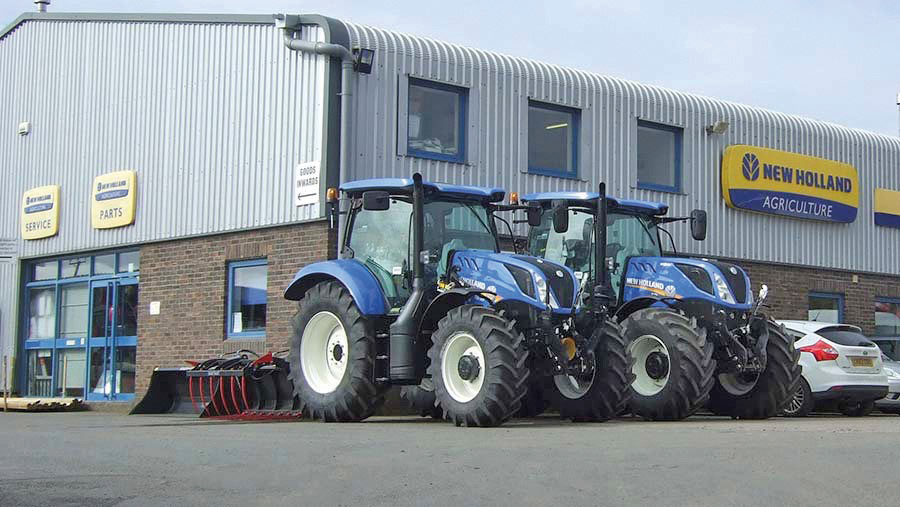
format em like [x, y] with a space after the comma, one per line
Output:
[867, 362]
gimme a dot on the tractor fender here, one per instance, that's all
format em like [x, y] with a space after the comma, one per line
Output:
[634, 305]
[359, 281]
[445, 302]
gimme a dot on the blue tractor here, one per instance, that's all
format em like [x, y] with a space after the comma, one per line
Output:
[421, 297]
[695, 334]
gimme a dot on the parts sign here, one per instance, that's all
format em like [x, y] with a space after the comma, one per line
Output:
[114, 200]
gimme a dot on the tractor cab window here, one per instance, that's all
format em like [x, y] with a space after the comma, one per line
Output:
[380, 241]
[455, 225]
[626, 236]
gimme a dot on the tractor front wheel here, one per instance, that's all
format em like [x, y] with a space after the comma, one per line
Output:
[478, 365]
[763, 395]
[332, 357]
[603, 394]
[673, 364]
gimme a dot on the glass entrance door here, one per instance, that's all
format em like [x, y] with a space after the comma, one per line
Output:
[112, 347]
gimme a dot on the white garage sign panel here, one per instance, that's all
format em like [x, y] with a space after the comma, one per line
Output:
[306, 184]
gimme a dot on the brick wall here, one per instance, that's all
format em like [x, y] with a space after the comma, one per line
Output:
[189, 278]
[789, 289]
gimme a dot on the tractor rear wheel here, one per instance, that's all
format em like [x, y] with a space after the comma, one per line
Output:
[604, 393]
[673, 364]
[764, 395]
[421, 399]
[332, 357]
[478, 365]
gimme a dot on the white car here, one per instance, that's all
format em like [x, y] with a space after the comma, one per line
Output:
[842, 369]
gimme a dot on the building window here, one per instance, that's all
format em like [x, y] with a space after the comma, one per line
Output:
[658, 157]
[247, 298]
[436, 127]
[825, 307]
[887, 317]
[553, 140]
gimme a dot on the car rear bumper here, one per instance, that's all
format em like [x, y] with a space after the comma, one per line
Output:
[852, 393]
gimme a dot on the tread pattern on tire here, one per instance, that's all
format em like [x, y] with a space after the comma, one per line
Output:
[506, 375]
[357, 397]
[775, 387]
[609, 394]
[689, 390]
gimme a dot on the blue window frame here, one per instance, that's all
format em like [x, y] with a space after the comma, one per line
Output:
[659, 150]
[887, 316]
[436, 121]
[65, 353]
[553, 139]
[246, 305]
[826, 307]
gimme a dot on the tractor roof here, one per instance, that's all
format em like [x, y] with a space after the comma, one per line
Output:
[590, 198]
[405, 185]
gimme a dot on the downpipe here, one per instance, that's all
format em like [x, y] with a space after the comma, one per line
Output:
[347, 70]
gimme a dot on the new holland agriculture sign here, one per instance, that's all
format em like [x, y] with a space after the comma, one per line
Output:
[114, 200]
[784, 183]
[887, 208]
[40, 212]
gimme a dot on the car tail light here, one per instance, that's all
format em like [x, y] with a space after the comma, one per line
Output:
[821, 351]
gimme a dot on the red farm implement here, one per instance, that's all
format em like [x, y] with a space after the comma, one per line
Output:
[236, 386]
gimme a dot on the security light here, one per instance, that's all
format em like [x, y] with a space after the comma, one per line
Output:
[556, 126]
[362, 60]
[719, 127]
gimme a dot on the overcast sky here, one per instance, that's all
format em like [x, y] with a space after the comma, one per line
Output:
[832, 60]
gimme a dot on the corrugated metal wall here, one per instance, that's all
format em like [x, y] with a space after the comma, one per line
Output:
[500, 87]
[213, 117]
[8, 312]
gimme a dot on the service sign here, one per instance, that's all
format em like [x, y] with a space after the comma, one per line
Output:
[306, 184]
[40, 212]
[789, 184]
[887, 208]
[114, 200]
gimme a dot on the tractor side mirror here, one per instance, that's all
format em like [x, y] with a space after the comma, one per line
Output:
[376, 200]
[560, 217]
[698, 224]
[534, 215]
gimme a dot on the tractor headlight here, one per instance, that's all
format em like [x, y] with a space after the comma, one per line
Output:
[722, 289]
[541, 287]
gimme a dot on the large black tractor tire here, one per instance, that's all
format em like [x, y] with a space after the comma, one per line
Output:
[605, 395]
[774, 387]
[857, 409]
[421, 399]
[801, 403]
[332, 357]
[478, 366]
[673, 364]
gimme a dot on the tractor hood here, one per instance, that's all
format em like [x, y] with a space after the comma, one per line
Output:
[536, 282]
[684, 278]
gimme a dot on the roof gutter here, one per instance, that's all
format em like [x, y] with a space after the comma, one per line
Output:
[291, 26]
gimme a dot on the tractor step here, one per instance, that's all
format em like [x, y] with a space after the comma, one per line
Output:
[382, 357]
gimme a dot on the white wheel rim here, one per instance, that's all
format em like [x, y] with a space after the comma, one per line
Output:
[457, 346]
[641, 349]
[735, 384]
[323, 352]
[572, 387]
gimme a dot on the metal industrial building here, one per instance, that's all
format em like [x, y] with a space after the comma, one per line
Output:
[224, 129]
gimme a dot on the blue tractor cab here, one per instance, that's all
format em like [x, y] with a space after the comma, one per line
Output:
[421, 296]
[694, 331]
